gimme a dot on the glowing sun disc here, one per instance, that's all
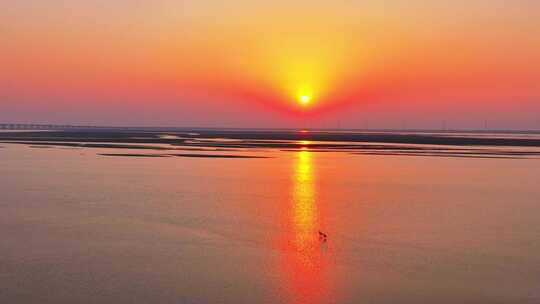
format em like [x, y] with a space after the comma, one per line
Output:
[304, 99]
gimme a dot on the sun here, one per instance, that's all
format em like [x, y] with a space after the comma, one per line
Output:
[305, 99]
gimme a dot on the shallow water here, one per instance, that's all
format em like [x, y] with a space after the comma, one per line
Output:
[79, 227]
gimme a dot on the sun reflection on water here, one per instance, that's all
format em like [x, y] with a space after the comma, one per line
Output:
[304, 259]
[305, 217]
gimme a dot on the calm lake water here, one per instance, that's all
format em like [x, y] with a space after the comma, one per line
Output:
[78, 227]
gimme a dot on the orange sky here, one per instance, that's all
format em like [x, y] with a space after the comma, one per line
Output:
[246, 63]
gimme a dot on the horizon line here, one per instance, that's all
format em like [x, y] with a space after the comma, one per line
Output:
[45, 126]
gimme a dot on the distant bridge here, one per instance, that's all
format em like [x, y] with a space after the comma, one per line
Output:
[18, 126]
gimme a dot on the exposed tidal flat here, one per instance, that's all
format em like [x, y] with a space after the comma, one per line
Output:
[443, 144]
[223, 217]
[182, 155]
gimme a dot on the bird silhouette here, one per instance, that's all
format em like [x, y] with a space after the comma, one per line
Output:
[323, 237]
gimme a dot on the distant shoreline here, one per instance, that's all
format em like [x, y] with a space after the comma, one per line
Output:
[208, 142]
[183, 137]
[54, 127]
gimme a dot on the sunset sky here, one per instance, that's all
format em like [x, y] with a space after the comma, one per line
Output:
[377, 64]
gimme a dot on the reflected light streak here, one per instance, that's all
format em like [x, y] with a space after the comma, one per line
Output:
[304, 144]
[305, 209]
[304, 259]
